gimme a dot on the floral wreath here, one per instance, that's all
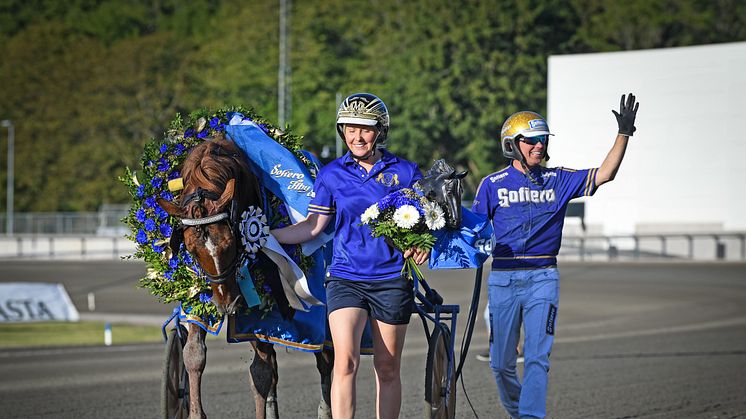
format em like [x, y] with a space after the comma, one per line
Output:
[178, 277]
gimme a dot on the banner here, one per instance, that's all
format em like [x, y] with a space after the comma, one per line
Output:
[35, 302]
[279, 170]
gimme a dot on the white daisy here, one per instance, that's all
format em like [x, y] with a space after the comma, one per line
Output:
[406, 216]
[370, 214]
[434, 216]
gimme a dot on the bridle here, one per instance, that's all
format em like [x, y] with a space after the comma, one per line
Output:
[198, 197]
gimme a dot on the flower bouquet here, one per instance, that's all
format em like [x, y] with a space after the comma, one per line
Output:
[406, 219]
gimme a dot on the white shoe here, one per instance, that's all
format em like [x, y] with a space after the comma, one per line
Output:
[483, 356]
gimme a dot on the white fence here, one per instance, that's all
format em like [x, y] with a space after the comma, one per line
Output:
[675, 247]
[32, 246]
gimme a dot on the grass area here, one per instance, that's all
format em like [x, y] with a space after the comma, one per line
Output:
[18, 335]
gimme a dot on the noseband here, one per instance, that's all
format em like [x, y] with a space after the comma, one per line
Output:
[198, 197]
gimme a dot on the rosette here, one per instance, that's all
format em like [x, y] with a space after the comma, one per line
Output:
[254, 230]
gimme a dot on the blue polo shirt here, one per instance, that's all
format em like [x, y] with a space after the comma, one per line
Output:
[528, 218]
[345, 189]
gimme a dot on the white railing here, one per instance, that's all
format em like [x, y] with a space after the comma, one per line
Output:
[81, 246]
[670, 246]
[719, 246]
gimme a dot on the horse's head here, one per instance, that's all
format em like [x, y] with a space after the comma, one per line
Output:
[443, 184]
[217, 186]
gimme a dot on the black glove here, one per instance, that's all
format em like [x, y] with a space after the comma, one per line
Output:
[626, 115]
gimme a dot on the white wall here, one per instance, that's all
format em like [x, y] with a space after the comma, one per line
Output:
[684, 169]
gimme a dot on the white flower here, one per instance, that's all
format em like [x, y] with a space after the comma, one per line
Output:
[406, 216]
[370, 214]
[434, 217]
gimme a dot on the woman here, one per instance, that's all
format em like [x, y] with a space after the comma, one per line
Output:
[364, 279]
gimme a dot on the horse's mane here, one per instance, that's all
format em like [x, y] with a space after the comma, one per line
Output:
[211, 164]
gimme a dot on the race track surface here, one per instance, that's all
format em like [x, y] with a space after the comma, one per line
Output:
[655, 340]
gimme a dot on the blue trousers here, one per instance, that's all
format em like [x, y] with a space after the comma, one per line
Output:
[528, 297]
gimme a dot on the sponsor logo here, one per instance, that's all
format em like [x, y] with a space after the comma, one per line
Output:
[388, 179]
[551, 318]
[498, 176]
[297, 183]
[507, 197]
[538, 124]
[548, 174]
[484, 245]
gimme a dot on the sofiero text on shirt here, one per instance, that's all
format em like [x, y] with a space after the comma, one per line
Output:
[524, 194]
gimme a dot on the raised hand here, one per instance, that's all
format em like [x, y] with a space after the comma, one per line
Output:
[625, 118]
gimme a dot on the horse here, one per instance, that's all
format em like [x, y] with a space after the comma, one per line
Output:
[443, 184]
[218, 186]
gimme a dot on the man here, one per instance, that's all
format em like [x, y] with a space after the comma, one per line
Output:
[527, 203]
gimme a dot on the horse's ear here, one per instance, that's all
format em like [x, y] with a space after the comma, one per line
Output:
[461, 175]
[171, 208]
[227, 194]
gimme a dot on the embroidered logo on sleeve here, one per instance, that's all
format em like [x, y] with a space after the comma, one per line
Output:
[551, 318]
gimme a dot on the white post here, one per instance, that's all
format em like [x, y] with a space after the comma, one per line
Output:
[107, 334]
[91, 301]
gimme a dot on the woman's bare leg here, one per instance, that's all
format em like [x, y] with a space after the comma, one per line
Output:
[346, 325]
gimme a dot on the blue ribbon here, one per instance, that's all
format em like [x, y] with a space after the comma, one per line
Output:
[466, 248]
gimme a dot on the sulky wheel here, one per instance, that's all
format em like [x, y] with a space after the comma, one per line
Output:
[440, 389]
[175, 380]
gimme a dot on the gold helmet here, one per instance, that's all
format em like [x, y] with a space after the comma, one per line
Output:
[522, 124]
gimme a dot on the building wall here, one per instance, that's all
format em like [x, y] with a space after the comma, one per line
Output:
[684, 167]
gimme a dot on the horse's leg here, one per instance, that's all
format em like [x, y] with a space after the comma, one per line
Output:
[263, 379]
[324, 363]
[195, 357]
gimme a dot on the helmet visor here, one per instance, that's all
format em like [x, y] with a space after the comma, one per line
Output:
[544, 139]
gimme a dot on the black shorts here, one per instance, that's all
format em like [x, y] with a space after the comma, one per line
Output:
[390, 301]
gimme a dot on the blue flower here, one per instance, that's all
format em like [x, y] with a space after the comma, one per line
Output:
[140, 191]
[163, 149]
[220, 128]
[202, 134]
[149, 225]
[214, 122]
[149, 202]
[173, 263]
[180, 148]
[156, 182]
[187, 258]
[205, 297]
[158, 248]
[168, 196]
[264, 128]
[140, 215]
[163, 165]
[165, 230]
[169, 274]
[141, 237]
[282, 210]
[160, 212]
[189, 133]
[174, 175]
[266, 289]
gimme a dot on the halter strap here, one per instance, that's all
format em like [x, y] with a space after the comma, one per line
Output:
[204, 220]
